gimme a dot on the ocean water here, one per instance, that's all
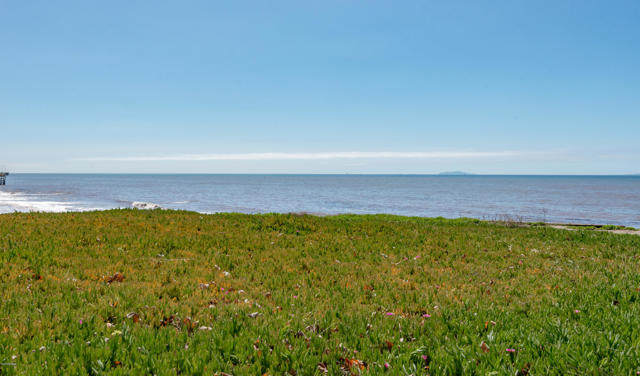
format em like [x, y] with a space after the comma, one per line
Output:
[560, 199]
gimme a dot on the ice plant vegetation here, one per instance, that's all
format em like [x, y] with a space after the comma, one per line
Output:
[172, 292]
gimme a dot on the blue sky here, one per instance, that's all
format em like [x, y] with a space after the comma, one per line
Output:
[533, 87]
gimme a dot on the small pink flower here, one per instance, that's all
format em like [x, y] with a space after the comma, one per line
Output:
[387, 365]
[80, 321]
[511, 350]
[295, 296]
[576, 311]
[390, 313]
[426, 315]
[221, 288]
[424, 357]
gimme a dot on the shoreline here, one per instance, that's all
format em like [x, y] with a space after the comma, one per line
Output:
[508, 221]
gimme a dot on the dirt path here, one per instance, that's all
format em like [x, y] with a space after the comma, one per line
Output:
[567, 227]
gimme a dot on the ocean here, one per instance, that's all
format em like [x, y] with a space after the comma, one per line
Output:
[558, 199]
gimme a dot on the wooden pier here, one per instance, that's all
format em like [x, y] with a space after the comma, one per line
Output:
[3, 178]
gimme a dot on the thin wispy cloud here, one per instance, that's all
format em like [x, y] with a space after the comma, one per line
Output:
[316, 156]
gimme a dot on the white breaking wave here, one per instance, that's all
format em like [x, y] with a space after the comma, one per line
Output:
[24, 202]
[144, 205]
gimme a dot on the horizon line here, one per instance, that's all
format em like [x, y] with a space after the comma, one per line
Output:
[463, 174]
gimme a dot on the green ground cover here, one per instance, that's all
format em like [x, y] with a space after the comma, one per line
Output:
[166, 292]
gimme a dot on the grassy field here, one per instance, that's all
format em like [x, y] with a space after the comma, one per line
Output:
[166, 293]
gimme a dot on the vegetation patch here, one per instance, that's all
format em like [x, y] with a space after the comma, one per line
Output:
[172, 292]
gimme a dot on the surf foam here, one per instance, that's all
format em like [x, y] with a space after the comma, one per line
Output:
[23, 202]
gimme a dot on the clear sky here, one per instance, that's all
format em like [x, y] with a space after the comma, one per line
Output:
[320, 86]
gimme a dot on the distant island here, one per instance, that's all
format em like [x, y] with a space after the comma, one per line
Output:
[454, 173]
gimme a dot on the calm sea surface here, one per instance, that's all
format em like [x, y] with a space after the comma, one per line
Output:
[571, 199]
